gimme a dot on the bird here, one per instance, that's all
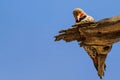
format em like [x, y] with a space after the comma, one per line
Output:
[81, 17]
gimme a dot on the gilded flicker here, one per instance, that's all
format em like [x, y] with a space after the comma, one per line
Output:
[81, 17]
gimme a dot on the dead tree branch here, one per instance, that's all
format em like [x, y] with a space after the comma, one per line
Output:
[96, 38]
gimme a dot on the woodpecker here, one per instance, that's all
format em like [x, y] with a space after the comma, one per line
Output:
[81, 17]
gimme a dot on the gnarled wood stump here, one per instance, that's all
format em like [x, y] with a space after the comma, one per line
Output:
[96, 38]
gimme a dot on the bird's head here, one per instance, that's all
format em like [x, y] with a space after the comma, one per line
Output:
[78, 13]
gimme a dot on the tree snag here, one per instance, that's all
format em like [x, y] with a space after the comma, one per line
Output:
[96, 38]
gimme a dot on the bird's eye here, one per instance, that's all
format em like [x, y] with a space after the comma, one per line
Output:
[75, 13]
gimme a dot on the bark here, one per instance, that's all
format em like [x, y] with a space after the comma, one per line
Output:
[96, 38]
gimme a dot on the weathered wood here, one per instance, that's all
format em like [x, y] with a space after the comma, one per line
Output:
[96, 38]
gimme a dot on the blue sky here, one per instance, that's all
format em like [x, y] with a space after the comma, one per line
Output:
[27, 47]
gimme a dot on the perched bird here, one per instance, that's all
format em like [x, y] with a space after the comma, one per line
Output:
[81, 17]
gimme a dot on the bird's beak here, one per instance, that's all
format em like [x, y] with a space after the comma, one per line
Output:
[77, 18]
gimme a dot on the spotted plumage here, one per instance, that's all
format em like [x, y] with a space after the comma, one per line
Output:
[81, 17]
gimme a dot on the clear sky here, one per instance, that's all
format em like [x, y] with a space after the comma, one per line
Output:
[27, 47]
